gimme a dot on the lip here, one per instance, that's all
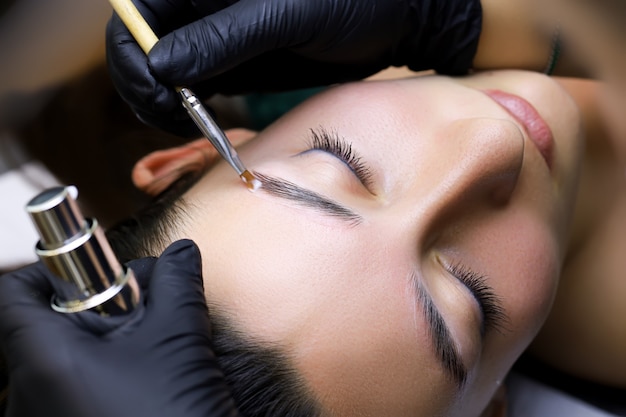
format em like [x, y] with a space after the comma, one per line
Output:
[537, 129]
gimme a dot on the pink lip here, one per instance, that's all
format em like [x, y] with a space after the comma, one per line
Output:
[537, 129]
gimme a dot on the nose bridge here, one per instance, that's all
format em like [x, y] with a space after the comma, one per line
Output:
[479, 162]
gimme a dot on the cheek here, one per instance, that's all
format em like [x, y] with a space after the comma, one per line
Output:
[528, 279]
[520, 256]
[534, 280]
[519, 251]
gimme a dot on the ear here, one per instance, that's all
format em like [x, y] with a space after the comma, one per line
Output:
[498, 405]
[158, 170]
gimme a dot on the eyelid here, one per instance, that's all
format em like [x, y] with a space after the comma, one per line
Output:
[494, 316]
[330, 141]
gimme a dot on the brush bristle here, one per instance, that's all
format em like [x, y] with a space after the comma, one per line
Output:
[251, 181]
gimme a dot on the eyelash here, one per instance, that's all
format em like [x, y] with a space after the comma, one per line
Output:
[330, 142]
[495, 317]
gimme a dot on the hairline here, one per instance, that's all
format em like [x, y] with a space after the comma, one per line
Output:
[147, 234]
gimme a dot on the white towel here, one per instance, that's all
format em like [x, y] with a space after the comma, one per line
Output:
[531, 398]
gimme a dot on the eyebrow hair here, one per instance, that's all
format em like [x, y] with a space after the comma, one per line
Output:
[445, 348]
[308, 198]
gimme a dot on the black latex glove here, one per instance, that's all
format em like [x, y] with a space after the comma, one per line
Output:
[157, 361]
[234, 47]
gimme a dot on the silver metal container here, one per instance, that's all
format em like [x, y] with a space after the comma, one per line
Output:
[76, 250]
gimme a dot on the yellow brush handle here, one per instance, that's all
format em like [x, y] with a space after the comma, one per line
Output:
[135, 23]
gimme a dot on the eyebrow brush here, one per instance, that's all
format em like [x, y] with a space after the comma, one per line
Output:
[146, 38]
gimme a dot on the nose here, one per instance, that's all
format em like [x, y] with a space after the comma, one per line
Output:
[481, 164]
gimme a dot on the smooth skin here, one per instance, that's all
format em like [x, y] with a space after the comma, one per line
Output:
[455, 181]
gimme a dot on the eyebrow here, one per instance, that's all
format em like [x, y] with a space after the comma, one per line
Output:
[444, 346]
[308, 198]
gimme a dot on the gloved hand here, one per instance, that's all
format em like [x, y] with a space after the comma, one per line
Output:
[157, 361]
[234, 47]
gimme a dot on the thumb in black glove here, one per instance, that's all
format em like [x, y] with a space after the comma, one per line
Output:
[235, 47]
[157, 361]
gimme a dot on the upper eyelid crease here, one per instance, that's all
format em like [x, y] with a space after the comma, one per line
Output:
[444, 346]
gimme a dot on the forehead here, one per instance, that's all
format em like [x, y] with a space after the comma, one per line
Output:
[374, 112]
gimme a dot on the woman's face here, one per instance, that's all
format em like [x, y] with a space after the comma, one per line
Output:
[408, 260]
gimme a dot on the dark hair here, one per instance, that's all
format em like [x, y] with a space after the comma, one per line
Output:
[87, 136]
[150, 229]
[261, 376]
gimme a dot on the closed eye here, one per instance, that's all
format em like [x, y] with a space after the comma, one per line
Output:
[494, 316]
[330, 141]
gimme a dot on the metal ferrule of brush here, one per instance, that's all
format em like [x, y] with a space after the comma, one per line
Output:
[76, 250]
[209, 128]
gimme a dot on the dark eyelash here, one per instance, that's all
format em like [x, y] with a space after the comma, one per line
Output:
[331, 142]
[494, 315]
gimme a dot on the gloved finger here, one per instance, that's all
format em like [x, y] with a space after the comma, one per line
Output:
[233, 35]
[25, 303]
[35, 277]
[22, 290]
[176, 122]
[283, 65]
[27, 321]
[176, 297]
[128, 68]
[205, 8]
[116, 325]
[128, 64]
[177, 321]
[142, 269]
